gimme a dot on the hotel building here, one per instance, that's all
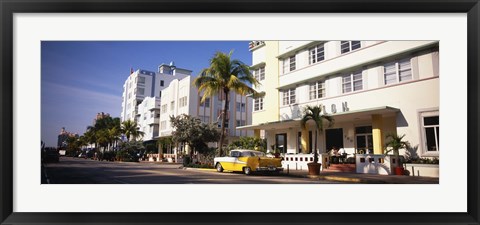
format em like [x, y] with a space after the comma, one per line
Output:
[150, 99]
[143, 83]
[370, 88]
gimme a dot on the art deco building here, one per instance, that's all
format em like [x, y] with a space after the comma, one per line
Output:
[371, 88]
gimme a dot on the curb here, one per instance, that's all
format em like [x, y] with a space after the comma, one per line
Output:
[338, 178]
[203, 169]
[319, 177]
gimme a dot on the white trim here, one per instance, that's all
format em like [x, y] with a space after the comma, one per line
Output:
[422, 142]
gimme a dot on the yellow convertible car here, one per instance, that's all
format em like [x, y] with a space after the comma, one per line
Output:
[248, 161]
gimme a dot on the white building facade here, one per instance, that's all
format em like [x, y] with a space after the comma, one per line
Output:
[182, 97]
[370, 88]
[143, 83]
[150, 98]
[148, 117]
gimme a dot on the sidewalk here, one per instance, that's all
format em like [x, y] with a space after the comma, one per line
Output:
[364, 178]
[342, 176]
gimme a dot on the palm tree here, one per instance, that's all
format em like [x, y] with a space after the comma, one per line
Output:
[395, 144]
[102, 138]
[90, 136]
[315, 113]
[223, 76]
[113, 136]
[129, 128]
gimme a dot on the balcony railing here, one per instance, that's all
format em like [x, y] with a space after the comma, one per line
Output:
[254, 44]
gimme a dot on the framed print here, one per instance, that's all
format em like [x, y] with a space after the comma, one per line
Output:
[346, 56]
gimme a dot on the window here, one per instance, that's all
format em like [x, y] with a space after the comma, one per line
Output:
[141, 80]
[397, 72]
[347, 46]
[292, 63]
[317, 90]
[220, 123]
[161, 83]
[182, 101]
[240, 123]
[259, 73]
[140, 91]
[352, 82]
[289, 96]
[206, 103]
[240, 107]
[163, 125]
[431, 132]
[289, 64]
[316, 54]
[258, 104]
[164, 108]
[172, 105]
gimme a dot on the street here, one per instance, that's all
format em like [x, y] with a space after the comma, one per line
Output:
[86, 171]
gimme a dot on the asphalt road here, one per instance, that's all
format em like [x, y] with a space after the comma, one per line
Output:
[86, 171]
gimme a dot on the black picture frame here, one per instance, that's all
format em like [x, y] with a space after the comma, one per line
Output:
[9, 7]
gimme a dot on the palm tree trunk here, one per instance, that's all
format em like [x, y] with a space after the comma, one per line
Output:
[315, 154]
[224, 117]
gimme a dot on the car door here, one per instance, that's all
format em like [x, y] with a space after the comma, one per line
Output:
[241, 161]
[229, 161]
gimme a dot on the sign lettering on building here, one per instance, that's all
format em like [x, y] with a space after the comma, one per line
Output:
[345, 107]
[334, 108]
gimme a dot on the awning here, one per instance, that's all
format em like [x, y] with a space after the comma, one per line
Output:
[354, 115]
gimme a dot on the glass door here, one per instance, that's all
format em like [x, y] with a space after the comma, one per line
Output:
[364, 140]
[281, 143]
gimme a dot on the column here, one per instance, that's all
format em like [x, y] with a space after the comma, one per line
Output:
[256, 133]
[377, 133]
[304, 140]
[160, 150]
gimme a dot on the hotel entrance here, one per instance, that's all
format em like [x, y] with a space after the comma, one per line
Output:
[281, 143]
[334, 138]
[364, 140]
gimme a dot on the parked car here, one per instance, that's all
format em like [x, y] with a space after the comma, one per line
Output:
[248, 162]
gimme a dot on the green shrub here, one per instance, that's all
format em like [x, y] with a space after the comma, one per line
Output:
[126, 156]
[424, 161]
[186, 160]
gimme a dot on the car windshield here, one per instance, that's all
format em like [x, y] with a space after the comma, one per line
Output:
[252, 153]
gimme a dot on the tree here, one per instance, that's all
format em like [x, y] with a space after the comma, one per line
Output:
[90, 136]
[315, 113]
[129, 128]
[225, 75]
[105, 132]
[395, 143]
[192, 131]
[165, 143]
[102, 138]
[252, 143]
[129, 151]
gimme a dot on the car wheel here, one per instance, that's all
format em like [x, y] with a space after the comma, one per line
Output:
[219, 167]
[247, 170]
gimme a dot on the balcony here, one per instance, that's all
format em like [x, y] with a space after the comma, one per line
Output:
[152, 121]
[255, 44]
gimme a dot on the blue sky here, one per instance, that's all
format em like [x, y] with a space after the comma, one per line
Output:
[81, 78]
